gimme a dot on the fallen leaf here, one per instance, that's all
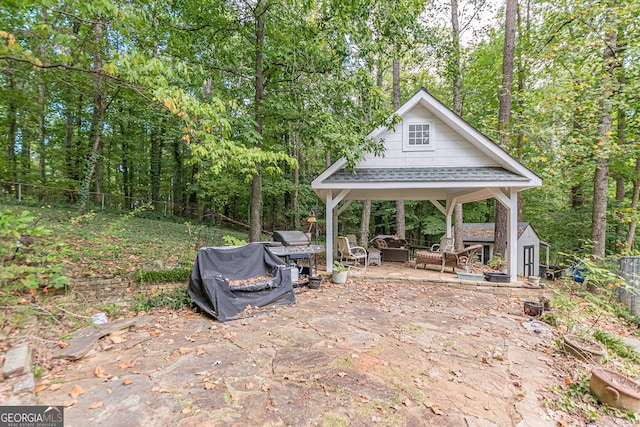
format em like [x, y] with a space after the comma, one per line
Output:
[127, 381]
[184, 350]
[55, 387]
[109, 391]
[208, 385]
[187, 410]
[41, 387]
[97, 404]
[201, 351]
[434, 408]
[76, 391]
[67, 403]
[265, 388]
[63, 344]
[116, 339]
[99, 371]
[127, 364]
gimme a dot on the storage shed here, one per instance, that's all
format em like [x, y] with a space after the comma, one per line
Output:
[528, 245]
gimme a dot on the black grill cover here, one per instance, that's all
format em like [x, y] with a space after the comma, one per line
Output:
[210, 290]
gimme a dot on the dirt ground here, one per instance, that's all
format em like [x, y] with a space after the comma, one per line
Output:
[370, 352]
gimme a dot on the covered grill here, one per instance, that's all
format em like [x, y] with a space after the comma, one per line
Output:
[293, 245]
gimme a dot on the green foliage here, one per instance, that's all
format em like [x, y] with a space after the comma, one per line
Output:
[159, 276]
[576, 398]
[28, 261]
[175, 299]
[497, 262]
[616, 345]
[339, 267]
[233, 241]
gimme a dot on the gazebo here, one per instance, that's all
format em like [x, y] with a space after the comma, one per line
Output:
[432, 154]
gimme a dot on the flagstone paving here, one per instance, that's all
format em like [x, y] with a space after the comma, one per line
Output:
[374, 351]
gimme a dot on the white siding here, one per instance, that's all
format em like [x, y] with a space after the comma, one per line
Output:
[450, 148]
[528, 238]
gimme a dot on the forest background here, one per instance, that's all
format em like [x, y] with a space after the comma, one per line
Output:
[232, 107]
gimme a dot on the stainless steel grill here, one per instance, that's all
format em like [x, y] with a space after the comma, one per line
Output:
[294, 245]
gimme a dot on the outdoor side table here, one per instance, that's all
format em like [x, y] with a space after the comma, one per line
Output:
[374, 257]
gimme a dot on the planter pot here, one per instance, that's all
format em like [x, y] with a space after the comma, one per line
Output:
[314, 282]
[582, 348]
[533, 309]
[533, 280]
[496, 277]
[470, 276]
[339, 277]
[615, 390]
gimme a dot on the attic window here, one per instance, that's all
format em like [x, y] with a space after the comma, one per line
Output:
[418, 136]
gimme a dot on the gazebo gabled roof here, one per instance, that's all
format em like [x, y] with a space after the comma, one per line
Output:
[488, 170]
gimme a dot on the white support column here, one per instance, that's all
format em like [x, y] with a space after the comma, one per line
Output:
[448, 222]
[332, 224]
[447, 211]
[329, 232]
[510, 201]
[512, 241]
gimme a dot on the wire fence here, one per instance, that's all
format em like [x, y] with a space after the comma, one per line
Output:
[35, 193]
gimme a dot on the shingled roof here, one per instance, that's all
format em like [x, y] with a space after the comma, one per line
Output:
[451, 174]
[483, 232]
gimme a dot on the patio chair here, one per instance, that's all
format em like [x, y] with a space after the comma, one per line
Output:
[446, 244]
[351, 253]
[461, 259]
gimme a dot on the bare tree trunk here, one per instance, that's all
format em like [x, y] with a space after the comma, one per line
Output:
[364, 224]
[256, 185]
[99, 105]
[296, 179]
[400, 217]
[601, 175]
[455, 70]
[42, 137]
[458, 222]
[634, 206]
[178, 178]
[522, 74]
[156, 138]
[504, 114]
[620, 181]
[12, 127]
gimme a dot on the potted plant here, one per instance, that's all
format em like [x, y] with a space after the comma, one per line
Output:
[339, 273]
[497, 262]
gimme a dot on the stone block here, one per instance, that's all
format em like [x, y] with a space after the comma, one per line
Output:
[17, 361]
[26, 384]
